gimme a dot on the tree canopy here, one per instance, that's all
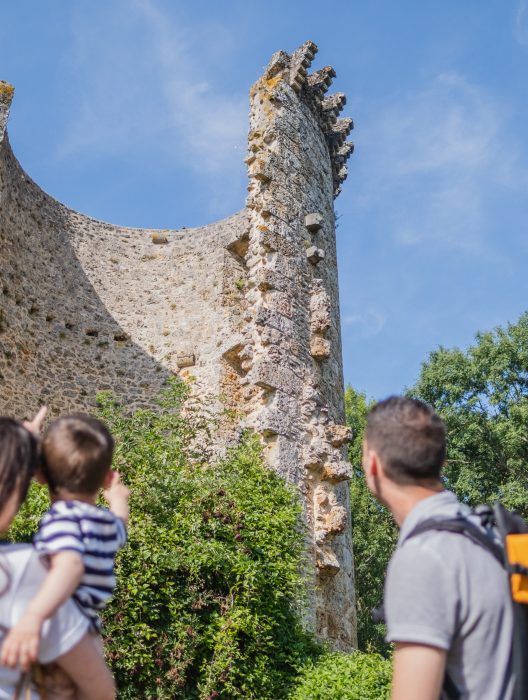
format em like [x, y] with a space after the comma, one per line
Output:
[482, 395]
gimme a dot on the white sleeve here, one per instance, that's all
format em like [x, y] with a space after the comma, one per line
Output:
[61, 632]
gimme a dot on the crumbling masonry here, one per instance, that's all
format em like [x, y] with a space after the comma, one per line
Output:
[248, 306]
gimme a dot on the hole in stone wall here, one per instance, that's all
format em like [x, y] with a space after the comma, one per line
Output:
[239, 248]
[233, 359]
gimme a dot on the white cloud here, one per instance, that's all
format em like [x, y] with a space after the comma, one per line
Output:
[141, 78]
[367, 323]
[520, 30]
[436, 156]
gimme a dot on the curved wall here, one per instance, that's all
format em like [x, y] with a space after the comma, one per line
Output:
[249, 306]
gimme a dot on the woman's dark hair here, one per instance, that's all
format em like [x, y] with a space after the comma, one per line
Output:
[19, 455]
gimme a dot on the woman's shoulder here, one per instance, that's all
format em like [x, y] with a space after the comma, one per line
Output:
[17, 554]
[19, 564]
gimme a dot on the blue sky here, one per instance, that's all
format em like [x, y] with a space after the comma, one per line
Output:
[135, 112]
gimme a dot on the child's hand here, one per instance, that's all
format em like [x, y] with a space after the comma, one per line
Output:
[35, 424]
[22, 643]
[117, 495]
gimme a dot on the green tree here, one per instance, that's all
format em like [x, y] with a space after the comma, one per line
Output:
[373, 531]
[482, 395]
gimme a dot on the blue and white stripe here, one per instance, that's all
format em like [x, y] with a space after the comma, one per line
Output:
[97, 534]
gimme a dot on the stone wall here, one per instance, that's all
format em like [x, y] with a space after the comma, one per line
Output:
[249, 306]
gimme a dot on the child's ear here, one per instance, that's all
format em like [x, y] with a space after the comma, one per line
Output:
[108, 479]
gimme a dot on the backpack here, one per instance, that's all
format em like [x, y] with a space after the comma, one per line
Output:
[505, 536]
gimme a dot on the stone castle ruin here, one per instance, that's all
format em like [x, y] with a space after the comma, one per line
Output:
[248, 306]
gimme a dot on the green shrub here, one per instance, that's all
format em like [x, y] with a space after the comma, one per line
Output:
[336, 676]
[209, 596]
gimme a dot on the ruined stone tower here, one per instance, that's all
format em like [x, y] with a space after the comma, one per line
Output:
[248, 306]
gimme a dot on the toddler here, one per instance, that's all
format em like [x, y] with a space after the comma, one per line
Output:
[78, 539]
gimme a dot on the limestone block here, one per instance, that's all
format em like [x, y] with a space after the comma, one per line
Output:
[335, 520]
[326, 561]
[345, 151]
[339, 131]
[278, 63]
[319, 348]
[267, 278]
[315, 255]
[271, 377]
[273, 241]
[185, 360]
[337, 471]
[313, 222]
[332, 105]
[271, 318]
[261, 170]
[316, 454]
[338, 435]
[159, 237]
[301, 60]
[279, 417]
[321, 80]
[320, 321]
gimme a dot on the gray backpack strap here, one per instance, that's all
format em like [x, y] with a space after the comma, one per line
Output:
[462, 526]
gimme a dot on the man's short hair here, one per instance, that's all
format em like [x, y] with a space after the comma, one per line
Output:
[409, 438]
[76, 454]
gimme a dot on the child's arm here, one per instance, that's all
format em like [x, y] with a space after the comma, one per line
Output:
[22, 642]
[117, 495]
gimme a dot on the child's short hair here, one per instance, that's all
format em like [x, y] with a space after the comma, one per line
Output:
[76, 454]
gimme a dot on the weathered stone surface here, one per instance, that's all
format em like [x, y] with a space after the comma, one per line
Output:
[320, 348]
[337, 471]
[313, 222]
[245, 306]
[185, 360]
[159, 237]
[315, 255]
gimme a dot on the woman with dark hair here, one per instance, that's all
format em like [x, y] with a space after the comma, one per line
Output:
[66, 641]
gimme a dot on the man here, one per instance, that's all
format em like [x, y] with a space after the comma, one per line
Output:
[447, 606]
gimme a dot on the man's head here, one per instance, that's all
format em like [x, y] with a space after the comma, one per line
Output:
[76, 455]
[407, 439]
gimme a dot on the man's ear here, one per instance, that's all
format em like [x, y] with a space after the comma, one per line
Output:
[372, 465]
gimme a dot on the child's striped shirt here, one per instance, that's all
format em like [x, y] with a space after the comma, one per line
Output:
[97, 534]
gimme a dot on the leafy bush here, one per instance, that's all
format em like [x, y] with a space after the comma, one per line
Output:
[209, 600]
[345, 677]
[209, 596]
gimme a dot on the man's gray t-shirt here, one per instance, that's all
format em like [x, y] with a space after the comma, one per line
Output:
[443, 590]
